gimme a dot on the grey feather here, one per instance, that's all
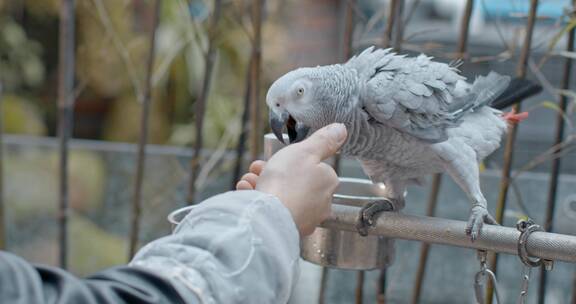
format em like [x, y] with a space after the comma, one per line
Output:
[435, 83]
[483, 91]
[386, 109]
[418, 88]
[395, 63]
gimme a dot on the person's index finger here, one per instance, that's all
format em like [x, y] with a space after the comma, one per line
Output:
[257, 166]
[325, 142]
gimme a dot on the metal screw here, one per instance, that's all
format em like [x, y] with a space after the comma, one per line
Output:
[548, 265]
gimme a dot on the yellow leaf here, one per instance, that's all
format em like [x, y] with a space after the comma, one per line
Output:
[551, 105]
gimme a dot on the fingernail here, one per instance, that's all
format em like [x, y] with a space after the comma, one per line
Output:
[337, 131]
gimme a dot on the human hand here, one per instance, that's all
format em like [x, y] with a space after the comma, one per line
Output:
[249, 180]
[299, 178]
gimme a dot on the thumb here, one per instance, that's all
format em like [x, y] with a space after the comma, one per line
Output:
[325, 142]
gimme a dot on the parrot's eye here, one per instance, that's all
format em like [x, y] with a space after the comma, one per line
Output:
[300, 91]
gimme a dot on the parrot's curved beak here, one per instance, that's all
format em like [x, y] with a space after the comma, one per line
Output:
[277, 124]
[296, 131]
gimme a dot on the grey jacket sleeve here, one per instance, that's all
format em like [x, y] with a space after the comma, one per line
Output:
[237, 247]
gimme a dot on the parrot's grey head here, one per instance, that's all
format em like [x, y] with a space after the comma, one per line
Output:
[300, 101]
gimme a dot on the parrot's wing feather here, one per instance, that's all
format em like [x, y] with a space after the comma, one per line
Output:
[368, 61]
[417, 96]
[483, 91]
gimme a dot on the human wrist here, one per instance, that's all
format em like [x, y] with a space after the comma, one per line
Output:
[296, 214]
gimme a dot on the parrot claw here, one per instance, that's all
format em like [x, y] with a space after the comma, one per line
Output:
[478, 216]
[369, 213]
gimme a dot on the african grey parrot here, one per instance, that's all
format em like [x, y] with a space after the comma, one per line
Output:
[406, 117]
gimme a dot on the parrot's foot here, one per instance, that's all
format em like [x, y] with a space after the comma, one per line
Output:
[369, 213]
[478, 216]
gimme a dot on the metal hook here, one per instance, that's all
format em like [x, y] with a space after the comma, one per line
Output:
[478, 278]
[526, 227]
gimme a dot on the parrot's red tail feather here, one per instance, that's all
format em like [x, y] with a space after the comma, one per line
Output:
[513, 117]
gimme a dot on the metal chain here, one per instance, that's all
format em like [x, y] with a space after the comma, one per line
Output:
[479, 278]
[526, 227]
[526, 272]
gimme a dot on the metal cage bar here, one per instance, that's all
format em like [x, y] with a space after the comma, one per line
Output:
[3, 234]
[345, 53]
[387, 38]
[66, 112]
[437, 178]
[395, 23]
[555, 170]
[142, 141]
[202, 101]
[509, 147]
[255, 75]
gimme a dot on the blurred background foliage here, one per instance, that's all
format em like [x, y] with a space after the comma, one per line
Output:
[111, 48]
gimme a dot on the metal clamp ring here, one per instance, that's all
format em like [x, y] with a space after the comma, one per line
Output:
[526, 227]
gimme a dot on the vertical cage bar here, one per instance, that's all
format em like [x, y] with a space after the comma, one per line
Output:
[399, 26]
[3, 234]
[323, 284]
[573, 291]
[465, 30]
[394, 24]
[359, 294]
[510, 139]
[387, 39]
[200, 104]
[255, 79]
[345, 53]
[65, 109]
[381, 295]
[348, 34]
[437, 178]
[555, 170]
[142, 141]
[425, 248]
[241, 145]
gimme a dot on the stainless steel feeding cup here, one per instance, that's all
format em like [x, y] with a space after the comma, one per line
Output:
[346, 249]
[338, 248]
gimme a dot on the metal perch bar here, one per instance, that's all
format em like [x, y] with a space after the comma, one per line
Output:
[546, 245]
